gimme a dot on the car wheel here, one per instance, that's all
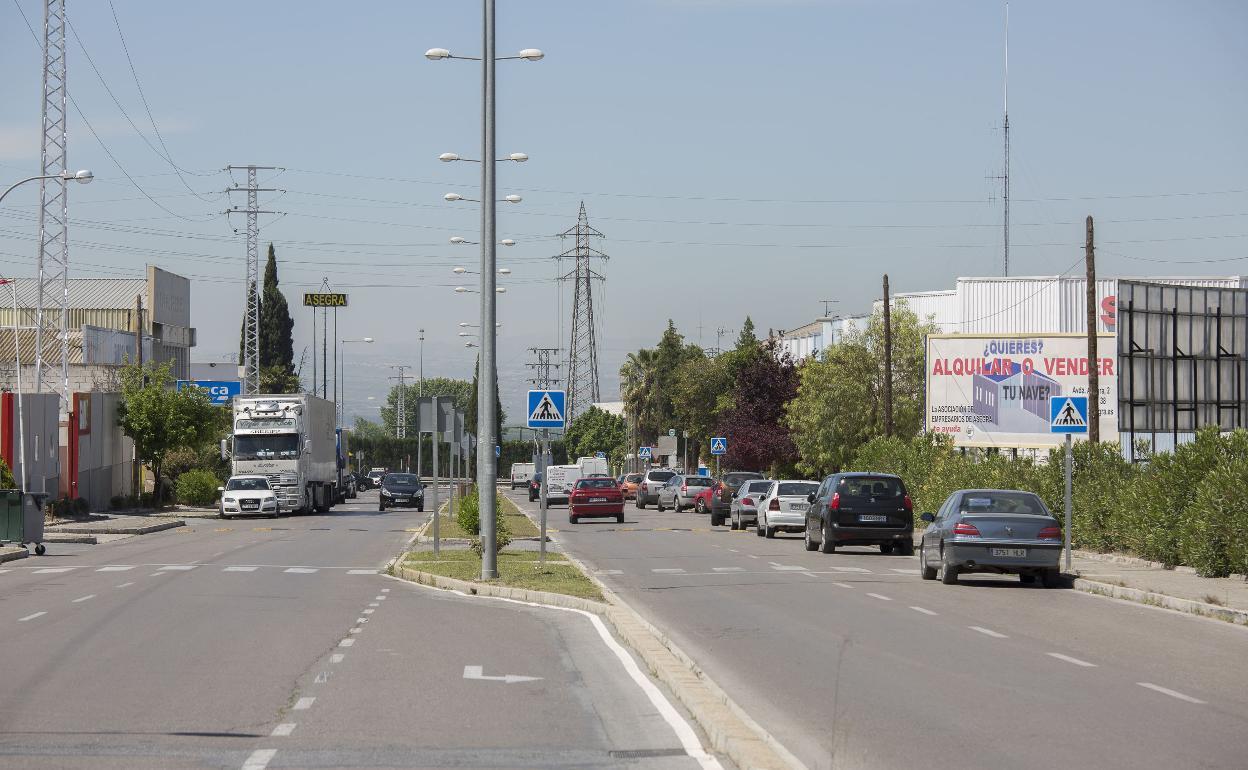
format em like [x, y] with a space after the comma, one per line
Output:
[810, 544]
[658, 505]
[926, 572]
[758, 526]
[904, 549]
[619, 519]
[571, 519]
[769, 532]
[826, 543]
[700, 506]
[1026, 579]
[1052, 578]
[948, 572]
[381, 507]
[886, 548]
[734, 523]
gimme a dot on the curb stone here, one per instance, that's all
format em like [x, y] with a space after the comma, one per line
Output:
[1237, 617]
[69, 537]
[1135, 561]
[13, 554]
[141, 530]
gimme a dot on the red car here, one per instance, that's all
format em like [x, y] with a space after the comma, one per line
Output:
[702, 501]
[596, 497]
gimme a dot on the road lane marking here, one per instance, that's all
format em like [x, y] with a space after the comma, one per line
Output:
[843, 585]
[729, 569]
[126, 585]
[282, 730]
[859, 570]
[356, 630]
[361, 572]
[259, 759]
[346, 643]
[303, 704]
[904, 571]
[336, 657]
[734, 550]
[988, 632]
[786, 567]
[810, 575]
[322, 677]
[361, 620]
[83, 598]
[51, 570]
[1171, 693]
[31, 617]
[1069, 659]
[924, 611]
[385, 590]
[378, 598]
[373, 604]
[369, 611]
[752, 556]
[668, 571]
[116, 568]
[239, 569]
[609, 572]
[301, 570]
[881, 597]
[178, 567]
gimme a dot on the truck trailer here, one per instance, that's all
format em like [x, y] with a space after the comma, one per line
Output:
[291, 440]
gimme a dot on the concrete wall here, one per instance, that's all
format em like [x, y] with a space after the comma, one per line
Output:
[41, 422]
[105, 455]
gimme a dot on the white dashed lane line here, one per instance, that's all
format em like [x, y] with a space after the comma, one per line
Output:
[83, 598]
[728, 569]
[31, 617]
[842, 585]
[116, 568]
[337, 657]
[259, 759]
[303, 704]
[988, 632]
[126, 585]
[239, 569]
[52, 570]
[881, 597]
[301, 570]
[178, 567]
[1171, 693]
[1069, 659]
[924, 611]
[346, 643]
[668, 571]
[282, 730]
[369, 611]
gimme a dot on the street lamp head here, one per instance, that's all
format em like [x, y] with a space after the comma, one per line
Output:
[460, 290]
[452, 197]
[513, 198]
[434, 54]
[518, 157]
[504, 271]
[83, 177]
[528, 54]
[459, 270]
[507, 242]
[470, 344]
[501, 290]
[458, 239]
[465, 334]
[448, 157]
[462, 324]
[368, 340]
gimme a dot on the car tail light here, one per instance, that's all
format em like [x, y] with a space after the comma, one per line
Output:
[747, 501]
[908, 503]
[684, 489]
[966, 529]
[1049, 533]
[835, 503]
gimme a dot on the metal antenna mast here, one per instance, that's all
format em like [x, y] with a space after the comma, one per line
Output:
[400, 418]
[583, 350]
[53, 267]
[251, 284]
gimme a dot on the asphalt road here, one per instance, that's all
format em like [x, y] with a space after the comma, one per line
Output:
[852, 661]
[278, 643]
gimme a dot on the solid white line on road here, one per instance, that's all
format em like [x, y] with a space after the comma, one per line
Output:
[669, 571]
[346, 643]
[988, 632]
[259, 759]
[116, 568]
[126, 585]
[51, 570]
[303, 704]
[729, 569]
[361, 572]
[609, 572]
[810, 574]
[179, 567]
[843, 585]
[239, 569]
[1171, 693]
[881, 597]
[83, 598]
[369, 611]
[336, 657]
[904, 571]
[924, 611]
[301, 570]
[282, 730]
[1069, 659]
[31, 617]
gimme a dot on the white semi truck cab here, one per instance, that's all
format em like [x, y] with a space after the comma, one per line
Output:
[289, 439]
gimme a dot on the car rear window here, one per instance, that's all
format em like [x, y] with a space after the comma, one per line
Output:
[596, 482]
[870, 486]
[794, 488]
[758, 487]
[1003, 502]
[660, 475]
[698, 481]
[633, 478]
[735, 480]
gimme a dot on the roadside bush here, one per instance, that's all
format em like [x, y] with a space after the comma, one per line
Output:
[117, 502]
[147, 500]
[1213, 536]
[197, 487]
[81, 506]
[6, 477]
[469, 519]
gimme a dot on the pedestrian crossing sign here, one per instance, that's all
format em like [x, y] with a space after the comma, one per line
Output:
[644, 453]
[1068, 414]
[719, 445]
[546, 408]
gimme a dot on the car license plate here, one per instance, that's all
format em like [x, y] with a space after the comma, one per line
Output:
[597, 499]
[400, 499]
[872, 517]
[1016, 552]
[798, 506]
[250, 504]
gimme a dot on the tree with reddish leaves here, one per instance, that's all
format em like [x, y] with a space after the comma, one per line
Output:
[758, 436]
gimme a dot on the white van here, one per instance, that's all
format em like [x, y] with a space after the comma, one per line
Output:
[593, 466]
[559, 482]
[521, 474]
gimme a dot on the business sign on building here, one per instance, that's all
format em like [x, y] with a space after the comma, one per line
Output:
[324, 299]
[219, 391]
[994, 390]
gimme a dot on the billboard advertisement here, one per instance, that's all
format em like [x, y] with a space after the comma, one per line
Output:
[219, 391]
[992, 390]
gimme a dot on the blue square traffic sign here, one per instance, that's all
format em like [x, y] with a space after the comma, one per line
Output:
[1068, 414]
[644, 453]
[546, 408]
[719, 445]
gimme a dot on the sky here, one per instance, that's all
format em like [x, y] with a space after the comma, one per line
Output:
[742, 157]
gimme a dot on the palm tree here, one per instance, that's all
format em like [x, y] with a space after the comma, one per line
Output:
[637, 380]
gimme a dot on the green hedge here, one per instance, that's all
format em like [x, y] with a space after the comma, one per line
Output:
[469, 519]
[1187, 507]
[197, 487]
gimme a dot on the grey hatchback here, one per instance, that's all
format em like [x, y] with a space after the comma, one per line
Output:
[1002, 531]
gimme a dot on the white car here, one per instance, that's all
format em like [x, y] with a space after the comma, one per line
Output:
[783, 507]
[248, 495]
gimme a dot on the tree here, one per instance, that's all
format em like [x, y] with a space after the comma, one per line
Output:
[460, 392]
[470, 412]
[637, 385]
[758, 435]
[595, 430]
[702, 392]
[747, 340]
[159, 418]
[279, 379]
[277, 347]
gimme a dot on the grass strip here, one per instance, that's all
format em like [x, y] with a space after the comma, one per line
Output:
[516, 569]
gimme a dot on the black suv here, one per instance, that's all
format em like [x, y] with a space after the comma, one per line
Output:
[402, 490]
[724, 490]
[861, 509]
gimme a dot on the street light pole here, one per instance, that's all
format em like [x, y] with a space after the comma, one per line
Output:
[489, 374]
[420, 392]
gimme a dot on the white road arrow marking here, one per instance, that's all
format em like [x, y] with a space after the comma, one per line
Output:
[477, 672]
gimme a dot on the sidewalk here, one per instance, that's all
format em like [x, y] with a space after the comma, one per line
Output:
[115, 525]
[1181, 589]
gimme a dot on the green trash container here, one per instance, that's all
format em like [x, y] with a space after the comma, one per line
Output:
[12, 521]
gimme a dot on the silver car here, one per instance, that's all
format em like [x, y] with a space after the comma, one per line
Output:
[1000, 531]
[680, 491]
[784, 506]
[650, 484]
[744, 509]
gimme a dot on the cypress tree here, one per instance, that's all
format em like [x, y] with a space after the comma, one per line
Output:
[277, 347]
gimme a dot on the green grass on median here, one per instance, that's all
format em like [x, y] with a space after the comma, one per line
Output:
[517, 523]
[516, 569]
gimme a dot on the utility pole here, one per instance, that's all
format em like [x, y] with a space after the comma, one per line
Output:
[826, 305]
[251, 282]
[1005, 176]
[1094, 374]
[400, 418]
[542, 380]
[719, 337]
[583, 349]
[888, 363]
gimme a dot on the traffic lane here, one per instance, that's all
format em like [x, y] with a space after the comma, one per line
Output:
[714, 623]
[401, 696]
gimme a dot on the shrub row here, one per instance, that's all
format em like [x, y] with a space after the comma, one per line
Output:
[469, 518]
[1186, 507]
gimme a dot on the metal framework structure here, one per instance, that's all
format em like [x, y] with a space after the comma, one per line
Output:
[400, 417]
[542, 368]
[1182, 362]
[583, 349]
[52, 302]
[251, 282]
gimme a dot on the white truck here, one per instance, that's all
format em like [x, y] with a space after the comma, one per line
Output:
[593, 466]
[521, 474]
[290, 439]
[559, 482]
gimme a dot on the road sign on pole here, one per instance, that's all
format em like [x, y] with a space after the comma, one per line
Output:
[645, 453]
[546, 408]
[1069, 415]
[600, 455]
[719, 445]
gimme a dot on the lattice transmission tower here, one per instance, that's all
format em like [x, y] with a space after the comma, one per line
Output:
[52, 301]
[583, 350]
[251, 285]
